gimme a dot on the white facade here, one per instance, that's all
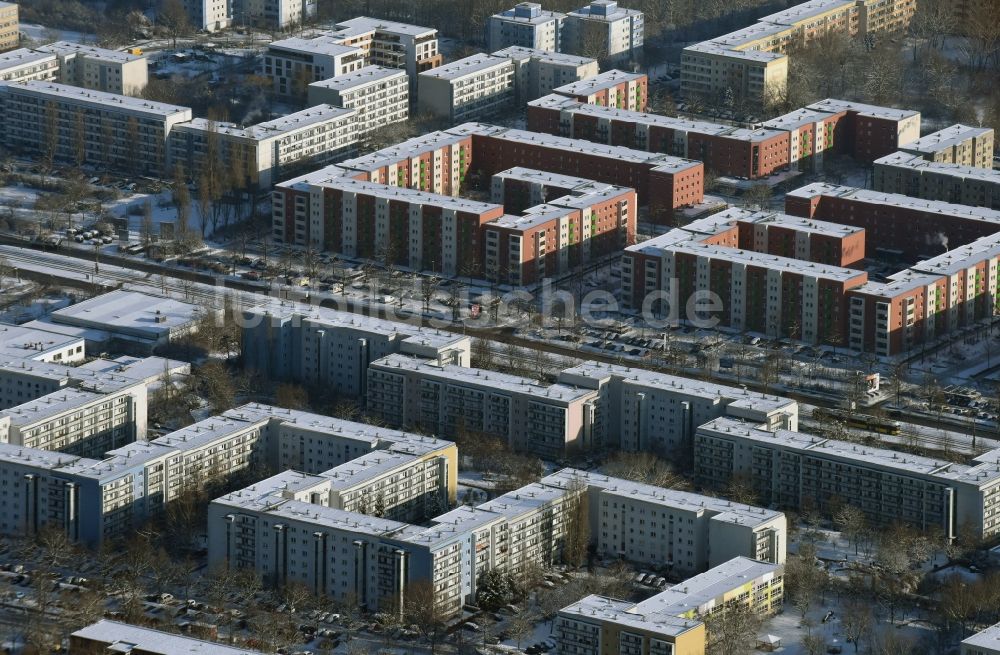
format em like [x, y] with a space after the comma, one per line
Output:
[24, 64]
[100, 69]
[526, 25]
[380, 96]
[602, 29]
[468, 89]
[209, 15]
[293, 64]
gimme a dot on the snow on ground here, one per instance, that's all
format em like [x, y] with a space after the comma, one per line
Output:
[19, 195]
[41, 34]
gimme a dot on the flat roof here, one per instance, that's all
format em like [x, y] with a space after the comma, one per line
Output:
[591, 372]
[796, 119]
[531, 220]
[528, 498]
[562, 103]
[335, 319]
[366, 468]
[205, 432]
[946, 138]
[50, 460]
[902, 282]
[326, 44]
[363, 24]
[536, 176]
[281, 126]
[50, 405]
[503, 382]
[656, 160]
[873, 111]
[360, 78]
[722, 509]
[148, 369]
[619, 13]
[961, 258]
[768, 261]
[549, 56]
[468, 66]
[405, 194]
[800, 224]
[941, 471]
[957, 171]
[64, 48]
[130, 310]
[896, 200]
[806, 10]
[32, 342]
[120, 461]
[604, 80]
[123, 637]
[96, 98]
[543, 16]
[605, 609]
[704, 588]
[988, 638]
[82, 377]
[22, 57]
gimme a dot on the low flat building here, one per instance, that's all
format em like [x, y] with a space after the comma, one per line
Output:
[90, 67]
[380, 96]
[116, 637]
[984, 642]
[136, 317]
[467, 89]
[913, 175]
[959, 144]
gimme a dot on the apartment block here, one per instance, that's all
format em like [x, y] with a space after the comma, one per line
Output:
[527, 25]
[643, 411]
[115, 637]
[773, 273]
[94, 127]
[984, 642]
[753, 62]
[868, 132]
[538, 72]
[467, 89]
[959, 144]
[434, 163]
[25, 64]
[10, 26]
[663, 182]
[293, 64]
[896, 226]
[210, 15]
[914, 176]
[416, 229]
[604, 30]
[669, 622]
[393, 45]
[315, 345]
[273, 14]
[450, 400]
[100, 69]
[24, 342]
[794, 469]
[379, 96]
[725, 149]
[614, 88]
[100, 499]
[266, 152]
[593, 221]
[686, 532]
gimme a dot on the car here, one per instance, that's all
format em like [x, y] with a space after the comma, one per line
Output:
[471, 627]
